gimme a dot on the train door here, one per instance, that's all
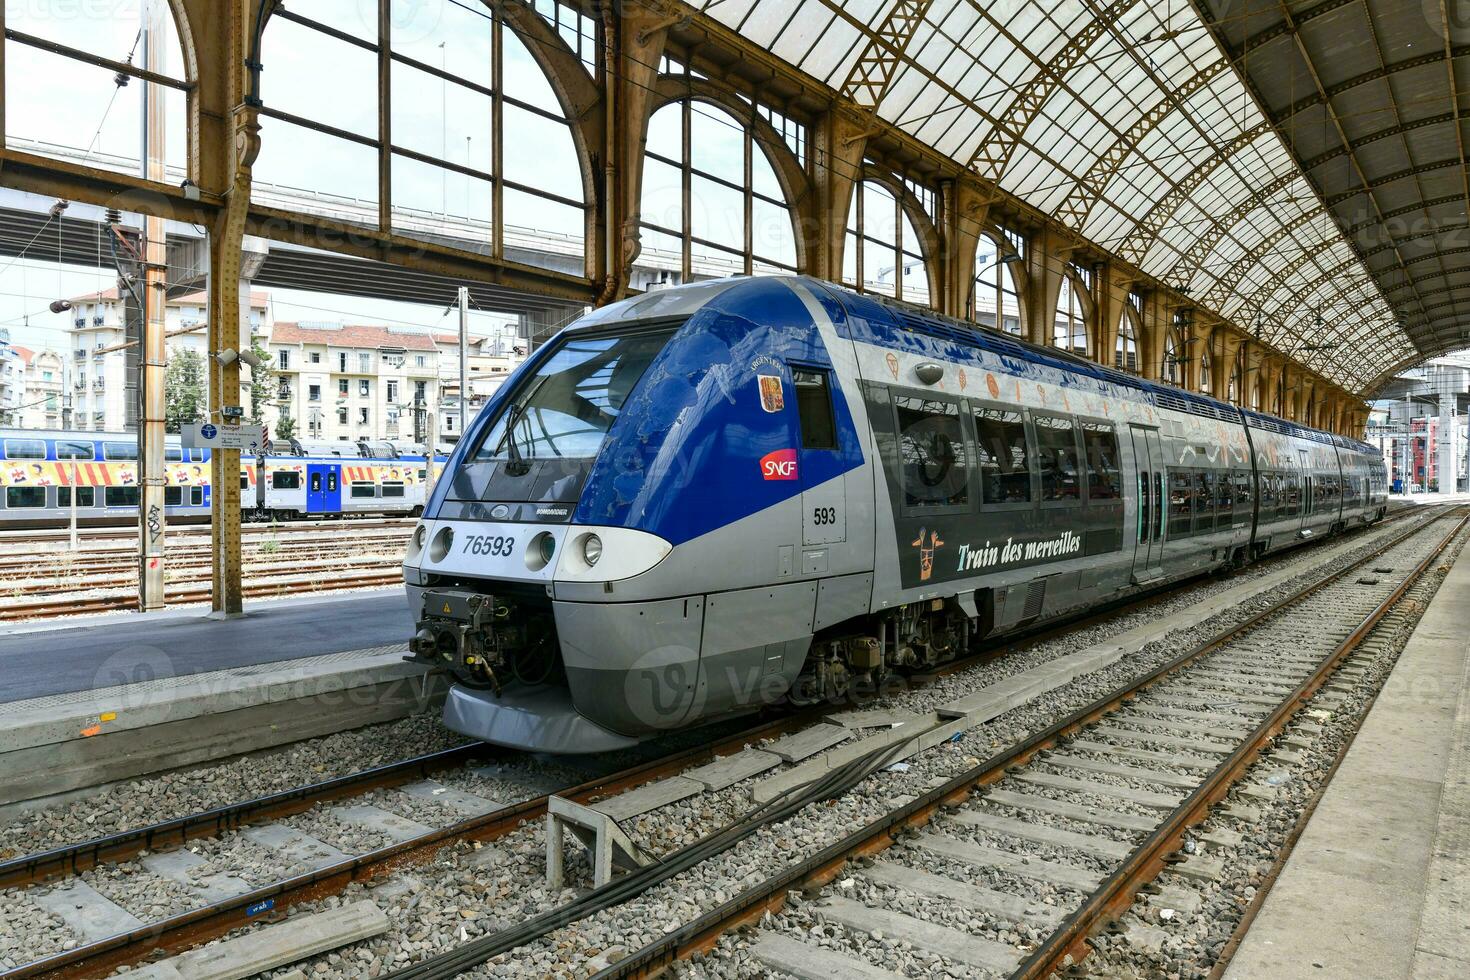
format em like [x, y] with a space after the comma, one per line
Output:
[824, 506]
[1308, 491]
[1148, 486]
[323, 488]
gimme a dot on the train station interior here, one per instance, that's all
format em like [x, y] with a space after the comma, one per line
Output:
[805, 489]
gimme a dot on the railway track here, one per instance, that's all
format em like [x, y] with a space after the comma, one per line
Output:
[101, 579]
[498, 819]
[21, 540]
[1090, 810]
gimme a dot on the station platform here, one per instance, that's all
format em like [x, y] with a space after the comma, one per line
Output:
[112, 649]
[119, 696]
[1379, 883]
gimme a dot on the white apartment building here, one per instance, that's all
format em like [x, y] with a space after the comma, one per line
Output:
[100, 358]
[347, 383]
[490, 361]
[44, 404]
[12, 381]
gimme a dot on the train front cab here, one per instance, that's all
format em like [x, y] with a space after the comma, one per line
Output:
[713, 510]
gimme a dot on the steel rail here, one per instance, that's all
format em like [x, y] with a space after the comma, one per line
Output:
[197, 592]
[189, 929]
[770, 895]
[73, 859]
[1263, 890]
[1117, 892]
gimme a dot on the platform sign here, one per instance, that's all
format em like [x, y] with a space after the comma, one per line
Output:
[249, 439]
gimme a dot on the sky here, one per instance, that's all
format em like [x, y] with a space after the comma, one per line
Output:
[28, 287]
[311, 75]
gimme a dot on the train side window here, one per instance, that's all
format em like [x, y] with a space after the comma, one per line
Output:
[1181, 502]
[244, 481]
[1291, 497]
[423, 475]
[1223, 497]
[931, 452]
[1056, 451]
[68, 449]
[392, 489]
[1242, 481]
[360, 489]
[25, 449]
[196, 496]
[173, 496]
[1103, 474]
[814, 409]
[120, 496]
[86, 496]
[1000, 443]
[25, 498]
[286, 480]
[1204, 500]
[173, 454]
[120, 450]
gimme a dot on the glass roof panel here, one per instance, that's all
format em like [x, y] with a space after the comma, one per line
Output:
[969, 64]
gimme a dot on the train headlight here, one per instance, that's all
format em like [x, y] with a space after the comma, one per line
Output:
[540, 550]
[591, 549]
[443, 541]
[417, 542]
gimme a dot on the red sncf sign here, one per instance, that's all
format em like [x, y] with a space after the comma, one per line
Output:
[779, 465]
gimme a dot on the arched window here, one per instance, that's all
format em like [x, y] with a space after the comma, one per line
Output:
[61, 105]
[1256, 394]
[1206, 383]
[1069, 328]
[882, 252]
[711, 203]
[477, 147]
[1125, 351]
[1169, 364]
[1232, 391]
[995, 300]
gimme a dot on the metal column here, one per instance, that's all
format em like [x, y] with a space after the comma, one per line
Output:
[152, 477]
[464, 355]
[1444, 457]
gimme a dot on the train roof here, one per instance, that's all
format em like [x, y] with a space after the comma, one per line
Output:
[683, 301]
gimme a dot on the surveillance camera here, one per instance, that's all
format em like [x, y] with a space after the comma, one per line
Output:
[190, 189]
[226, 357]
[60, 305]
[250, 357]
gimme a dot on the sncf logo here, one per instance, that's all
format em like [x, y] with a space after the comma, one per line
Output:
[779, 465]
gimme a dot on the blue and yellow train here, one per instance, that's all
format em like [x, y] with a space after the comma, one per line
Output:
[41, 470]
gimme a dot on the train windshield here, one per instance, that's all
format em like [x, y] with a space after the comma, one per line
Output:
[565, 411]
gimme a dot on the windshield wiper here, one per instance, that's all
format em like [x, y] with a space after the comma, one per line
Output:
[517, 465]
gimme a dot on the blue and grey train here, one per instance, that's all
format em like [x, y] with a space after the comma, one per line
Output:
[709, 498]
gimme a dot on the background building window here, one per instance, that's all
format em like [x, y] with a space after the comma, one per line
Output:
[882, 251]
[712, 204]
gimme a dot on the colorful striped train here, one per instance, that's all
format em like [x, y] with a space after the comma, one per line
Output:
[40, 470]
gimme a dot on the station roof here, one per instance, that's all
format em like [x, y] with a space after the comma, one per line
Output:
[1365, 93]
[1131, 124]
